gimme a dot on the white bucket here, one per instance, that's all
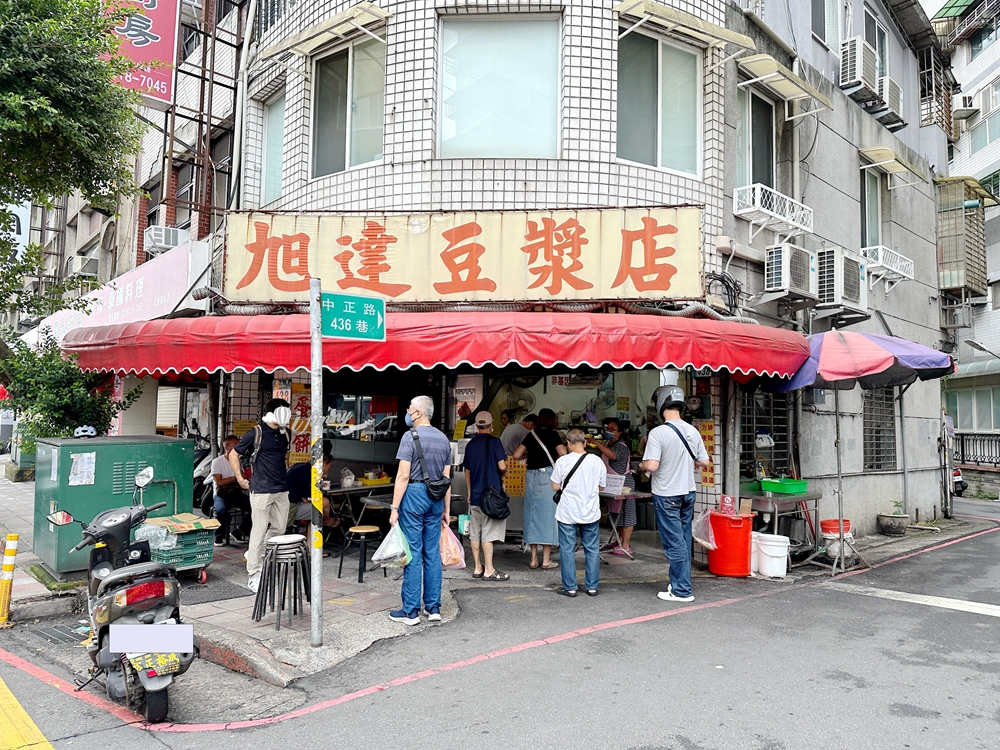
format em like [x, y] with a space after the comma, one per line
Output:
[754, 565]
[772, 555]
[832, 544]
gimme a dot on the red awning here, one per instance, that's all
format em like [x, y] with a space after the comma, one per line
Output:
[199, 346]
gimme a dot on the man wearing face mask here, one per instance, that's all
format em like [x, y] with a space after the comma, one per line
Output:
[265, 450]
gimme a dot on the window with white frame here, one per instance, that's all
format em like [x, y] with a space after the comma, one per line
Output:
[500, 87]
[274, 148]
[986, 132]
[659, 103]
[184, 196]
[826, 22]
[974, 410]
[983, 38]
[877, 37]
[349, 107]
[754, 139]
[871, 208]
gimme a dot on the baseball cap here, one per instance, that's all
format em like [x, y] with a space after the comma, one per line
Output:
[484, 419]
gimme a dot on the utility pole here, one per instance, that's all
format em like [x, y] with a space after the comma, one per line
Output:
[316, 437]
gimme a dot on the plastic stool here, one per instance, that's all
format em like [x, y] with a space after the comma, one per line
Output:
[362, 532]
[285, 562]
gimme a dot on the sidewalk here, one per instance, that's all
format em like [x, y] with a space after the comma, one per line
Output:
[355, 614]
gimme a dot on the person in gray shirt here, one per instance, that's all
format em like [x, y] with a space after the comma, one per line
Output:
[673, 450]
[513, 434]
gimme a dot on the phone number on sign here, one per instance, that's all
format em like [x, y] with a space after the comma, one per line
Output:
[146, 82]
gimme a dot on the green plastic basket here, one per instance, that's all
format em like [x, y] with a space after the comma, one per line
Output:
[785, 486]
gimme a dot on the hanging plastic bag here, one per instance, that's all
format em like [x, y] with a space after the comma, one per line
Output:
[701, 530]
[394, 552]
[452, 550]
[346, 477]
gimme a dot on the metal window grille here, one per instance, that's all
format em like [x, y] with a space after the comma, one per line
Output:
[880, 429]
[764, 411]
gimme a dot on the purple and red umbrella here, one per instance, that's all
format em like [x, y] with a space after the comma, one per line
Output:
[844, 359]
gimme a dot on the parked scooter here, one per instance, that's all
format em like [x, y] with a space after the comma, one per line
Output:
[960, 485]
[126, 587]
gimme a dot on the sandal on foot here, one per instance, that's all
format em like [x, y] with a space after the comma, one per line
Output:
[536, 566]
[550, 566]
[497, 576]
[564, 592]
[477, 575]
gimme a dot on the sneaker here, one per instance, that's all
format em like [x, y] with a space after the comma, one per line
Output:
[592, 592]
[434, 615]
[670, 596]
[566, 592]
[398, 615]
[220, 543]
[253, 584]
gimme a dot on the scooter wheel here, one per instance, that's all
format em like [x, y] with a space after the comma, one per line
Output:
[156, 706]
[202, 576]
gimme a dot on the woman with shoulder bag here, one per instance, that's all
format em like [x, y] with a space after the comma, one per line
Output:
[542, 446]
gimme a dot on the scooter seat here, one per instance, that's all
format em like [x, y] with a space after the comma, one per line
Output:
[131, 573]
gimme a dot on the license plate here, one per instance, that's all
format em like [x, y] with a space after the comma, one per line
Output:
[162, 663]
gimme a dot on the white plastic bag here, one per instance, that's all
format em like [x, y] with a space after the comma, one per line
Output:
[394, 552]
[346, 478]
[157, 536]
[701, 530]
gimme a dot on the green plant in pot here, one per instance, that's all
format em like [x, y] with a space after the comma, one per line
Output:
[894, 524]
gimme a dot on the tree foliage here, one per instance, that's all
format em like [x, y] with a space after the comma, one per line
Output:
[65, 124]
[52, 396]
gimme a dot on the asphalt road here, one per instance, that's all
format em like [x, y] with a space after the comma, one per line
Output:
[903, 656]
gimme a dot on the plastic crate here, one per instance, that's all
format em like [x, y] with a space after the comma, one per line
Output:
[180, 557]
[787, 486]
[200, 539]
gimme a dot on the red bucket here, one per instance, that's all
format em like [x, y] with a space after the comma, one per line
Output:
[830, 526]
[731, 557]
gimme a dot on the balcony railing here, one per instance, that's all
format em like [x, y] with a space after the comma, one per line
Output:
[973, 22]
[766, 208]
[978, 450]
[886, 265]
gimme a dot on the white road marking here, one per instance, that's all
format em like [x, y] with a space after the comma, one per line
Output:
[978, 608]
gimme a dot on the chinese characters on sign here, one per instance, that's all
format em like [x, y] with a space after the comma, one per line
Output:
[707, 429]
[149, 39]
[595, 254]
[347, 316]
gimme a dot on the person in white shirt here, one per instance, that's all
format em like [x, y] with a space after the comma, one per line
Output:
[228, 495]
[581, 477]
[673, 450]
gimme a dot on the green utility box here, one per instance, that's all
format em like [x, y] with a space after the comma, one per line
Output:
[88, 476]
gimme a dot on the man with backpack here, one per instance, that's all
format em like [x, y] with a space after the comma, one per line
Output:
[673, 450]
[484, 464]
[265, 450]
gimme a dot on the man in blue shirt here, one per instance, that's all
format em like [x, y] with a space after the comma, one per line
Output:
[419, 514]
[484, 464]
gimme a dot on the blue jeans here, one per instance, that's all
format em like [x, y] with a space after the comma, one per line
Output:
[222, 505]
[590, 535]
[420, 517]
[673, 516]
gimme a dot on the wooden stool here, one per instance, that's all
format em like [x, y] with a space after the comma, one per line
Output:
[362, 532]
[285, 563]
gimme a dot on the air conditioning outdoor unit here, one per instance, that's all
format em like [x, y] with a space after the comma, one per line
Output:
[890, 92]
[858, 66]
[965, 106]
[80, 265]
[790, 268]
[843, 279]
[159, 238]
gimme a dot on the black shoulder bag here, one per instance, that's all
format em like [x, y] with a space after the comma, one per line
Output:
[558, 493]
[495, 502]
[683, 440]
[436, 488]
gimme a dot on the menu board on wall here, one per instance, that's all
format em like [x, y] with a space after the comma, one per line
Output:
[707, 429]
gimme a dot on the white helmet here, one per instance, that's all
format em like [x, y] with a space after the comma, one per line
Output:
[85, 432]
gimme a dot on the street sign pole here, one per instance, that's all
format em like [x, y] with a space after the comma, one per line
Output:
[316, 438]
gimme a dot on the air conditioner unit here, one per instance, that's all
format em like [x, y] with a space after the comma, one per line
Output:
[159, 238]
[843, 279]
[80, 265]
[965, 106]
[858, 67]
[790, 268]
[890, 92]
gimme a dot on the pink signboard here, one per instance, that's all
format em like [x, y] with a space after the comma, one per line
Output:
[149, 39]
[150, 291]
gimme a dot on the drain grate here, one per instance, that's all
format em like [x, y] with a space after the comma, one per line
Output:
[60, 634]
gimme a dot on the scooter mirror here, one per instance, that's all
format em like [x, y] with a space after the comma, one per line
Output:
[144, 477]
[60, 518]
